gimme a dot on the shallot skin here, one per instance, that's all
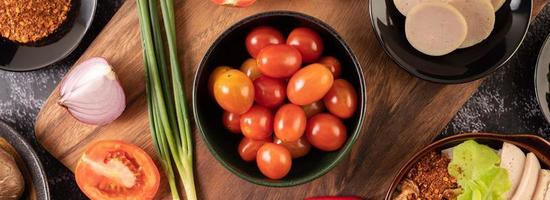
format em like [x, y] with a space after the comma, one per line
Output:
[92, 93]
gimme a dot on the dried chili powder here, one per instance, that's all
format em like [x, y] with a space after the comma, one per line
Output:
[430, 180]
[27, 21]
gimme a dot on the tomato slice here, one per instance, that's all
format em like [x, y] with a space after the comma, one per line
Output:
[235, 3]
[116, 170]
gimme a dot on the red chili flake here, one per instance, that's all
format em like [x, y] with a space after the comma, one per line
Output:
[27, 21]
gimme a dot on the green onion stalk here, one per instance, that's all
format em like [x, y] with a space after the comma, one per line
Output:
[167, 105]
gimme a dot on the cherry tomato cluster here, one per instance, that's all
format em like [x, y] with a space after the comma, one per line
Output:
[279, 106]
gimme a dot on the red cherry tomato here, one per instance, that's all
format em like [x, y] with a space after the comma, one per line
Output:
[257, 123]
[269, 92]
[333, 65]
[308, 42]
[235, 3]
[250, 68]
[232, 122]
[279, 61]
[290, 123]
[261, 37]
[248, 148]
[234, 91]
[314, 108]
[217, 73]
[326, 132]
[274, 161]
[341, 99]
[298, 148]
[309, 85]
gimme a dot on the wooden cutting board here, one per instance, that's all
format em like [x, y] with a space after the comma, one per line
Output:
[403, 112]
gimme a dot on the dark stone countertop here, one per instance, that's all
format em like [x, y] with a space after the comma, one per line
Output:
[504, 103]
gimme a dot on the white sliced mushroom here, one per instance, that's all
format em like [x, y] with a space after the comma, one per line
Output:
[542, 185]
[435, 28]
[529, 178]
[480, 17]
[512, 159]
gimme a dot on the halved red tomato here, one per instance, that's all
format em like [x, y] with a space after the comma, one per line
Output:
[235, 3]
[116, 170]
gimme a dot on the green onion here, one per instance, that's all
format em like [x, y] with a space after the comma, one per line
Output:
[167, 105]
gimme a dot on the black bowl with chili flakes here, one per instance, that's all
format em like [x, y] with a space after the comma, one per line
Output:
[33, 21]
[37, 33]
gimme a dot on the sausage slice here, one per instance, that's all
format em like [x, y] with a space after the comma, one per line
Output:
[435, 28]
[480, 17]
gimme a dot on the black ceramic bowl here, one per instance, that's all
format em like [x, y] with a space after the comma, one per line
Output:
[36, 183]
[58, 45]
[528, 143]
[229, 49]
[463, 65]
[542, 79]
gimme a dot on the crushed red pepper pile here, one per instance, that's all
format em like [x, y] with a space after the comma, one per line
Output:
[27, 21]
[429, 179]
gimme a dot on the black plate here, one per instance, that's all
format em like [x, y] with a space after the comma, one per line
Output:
[18, 57]
[30, 159]
[463, 65]
[542, 79]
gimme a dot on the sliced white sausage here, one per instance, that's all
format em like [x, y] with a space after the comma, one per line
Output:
[404, 6]
[512, 159]
[435, 28]
[542, 185]
[497, 4]
[480, 17]
[529, 178]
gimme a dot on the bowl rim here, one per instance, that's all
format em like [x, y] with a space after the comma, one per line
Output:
[454, 81]
[31, 159]
[460, 137]
[545, 47]
[69, 51]
[361, 111]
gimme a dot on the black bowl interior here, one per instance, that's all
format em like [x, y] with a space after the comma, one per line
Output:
[58, 45]
[463, 65]
[230, 50]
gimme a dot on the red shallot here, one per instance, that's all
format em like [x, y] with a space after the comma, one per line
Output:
[92, 94]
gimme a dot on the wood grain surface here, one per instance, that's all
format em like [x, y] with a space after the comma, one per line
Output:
[403, 113]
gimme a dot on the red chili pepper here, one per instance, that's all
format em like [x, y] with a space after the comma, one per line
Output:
[334, 198]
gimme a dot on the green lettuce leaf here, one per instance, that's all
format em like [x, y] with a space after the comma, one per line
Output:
[476, 168]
